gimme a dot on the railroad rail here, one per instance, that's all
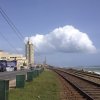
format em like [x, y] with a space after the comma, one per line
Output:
[88, 89]
[86, 75]
[84, 72]
[68, 92]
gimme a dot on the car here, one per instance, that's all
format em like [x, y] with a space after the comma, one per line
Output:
[2, 69]
[15, 68]
[22, 68]
[31, 68]
[10, 68]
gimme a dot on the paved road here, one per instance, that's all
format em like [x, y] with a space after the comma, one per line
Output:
[12, 74]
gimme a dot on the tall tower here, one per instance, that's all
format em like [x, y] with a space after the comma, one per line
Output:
[29, 52]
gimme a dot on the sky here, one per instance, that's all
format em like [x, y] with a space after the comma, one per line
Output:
[65, 31]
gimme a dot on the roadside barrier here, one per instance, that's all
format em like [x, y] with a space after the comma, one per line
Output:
[4, 89]
[29, 76]
[34, 74]
[42, 69]
[20, 81]
[37, 72]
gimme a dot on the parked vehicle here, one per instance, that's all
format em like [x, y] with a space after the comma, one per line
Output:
[22, 68]
[31, 68]
[2, 69]
[8, 65]
[10, 68]
[3, 65]
[15, 68]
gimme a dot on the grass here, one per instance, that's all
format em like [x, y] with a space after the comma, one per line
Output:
[44, 87]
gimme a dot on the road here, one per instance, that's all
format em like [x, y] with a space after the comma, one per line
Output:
[12, 74]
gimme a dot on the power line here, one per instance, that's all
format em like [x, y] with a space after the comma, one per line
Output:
[8, 42]
[11, 24]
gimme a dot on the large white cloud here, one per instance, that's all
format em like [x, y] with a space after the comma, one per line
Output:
[63, 39]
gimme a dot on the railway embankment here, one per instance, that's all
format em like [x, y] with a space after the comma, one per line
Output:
[85, 85]
[58, 84]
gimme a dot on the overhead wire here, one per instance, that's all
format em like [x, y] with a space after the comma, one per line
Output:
[1, 34]
[13, 27]
[11, 24]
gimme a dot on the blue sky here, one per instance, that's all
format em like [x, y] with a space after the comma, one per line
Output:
[43, 16]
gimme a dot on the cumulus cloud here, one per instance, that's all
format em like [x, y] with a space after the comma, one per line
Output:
[66, 39]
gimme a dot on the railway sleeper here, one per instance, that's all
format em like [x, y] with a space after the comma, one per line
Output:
[77, 88]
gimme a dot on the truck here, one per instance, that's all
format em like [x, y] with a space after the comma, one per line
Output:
[8, 65]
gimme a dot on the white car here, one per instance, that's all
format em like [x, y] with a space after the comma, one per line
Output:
[9, 68]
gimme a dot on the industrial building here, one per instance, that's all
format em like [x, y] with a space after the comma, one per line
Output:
[29, 52]
[27, 60]
[9, 57]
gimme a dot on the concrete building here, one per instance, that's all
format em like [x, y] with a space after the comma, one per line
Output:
[29, 52]
[9, 56]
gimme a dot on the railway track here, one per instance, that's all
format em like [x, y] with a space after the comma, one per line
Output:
[82, 72]
[69, 93]
[87, 89]
[86, 75]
